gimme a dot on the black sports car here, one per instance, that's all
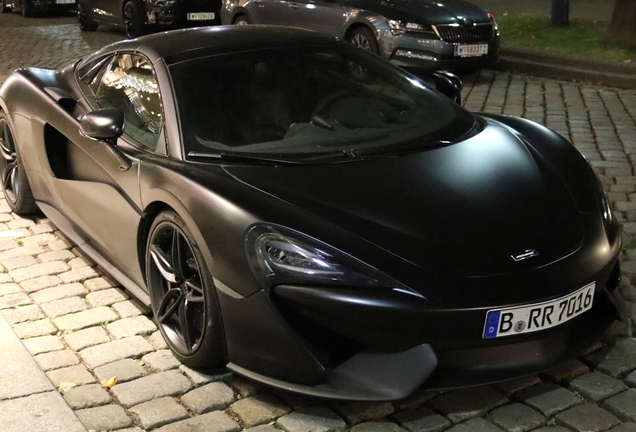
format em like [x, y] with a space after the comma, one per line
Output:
[139, 17]
[312, 217]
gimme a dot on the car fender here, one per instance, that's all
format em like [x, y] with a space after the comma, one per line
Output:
[375, 22]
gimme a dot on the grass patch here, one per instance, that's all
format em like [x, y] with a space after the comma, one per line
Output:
[585, 39]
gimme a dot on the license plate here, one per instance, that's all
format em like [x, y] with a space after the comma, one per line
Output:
[64, 1]
[471, 50]
[200, 16]
[538, 316]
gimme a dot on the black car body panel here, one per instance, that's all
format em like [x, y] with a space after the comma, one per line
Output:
[504, 214]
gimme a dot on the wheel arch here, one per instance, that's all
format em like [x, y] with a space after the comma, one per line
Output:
[238, 13]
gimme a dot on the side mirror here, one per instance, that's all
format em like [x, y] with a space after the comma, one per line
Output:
[449, 85]
[105, 126]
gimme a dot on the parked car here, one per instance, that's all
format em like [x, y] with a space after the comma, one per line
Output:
[313, 217]
[28, 8]
[423, 34]
[139, 17]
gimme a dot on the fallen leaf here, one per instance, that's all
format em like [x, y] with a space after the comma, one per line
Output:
[108, 383]
[65, 386]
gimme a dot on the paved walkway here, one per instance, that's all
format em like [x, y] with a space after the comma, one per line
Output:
[82, 330]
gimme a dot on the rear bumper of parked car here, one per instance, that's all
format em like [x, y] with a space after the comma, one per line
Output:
[46, 5]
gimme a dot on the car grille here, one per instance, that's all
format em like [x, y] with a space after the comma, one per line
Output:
[457, 33]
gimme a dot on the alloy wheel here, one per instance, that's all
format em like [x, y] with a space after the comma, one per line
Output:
[8, 163]
[176, 287]
[359, 40]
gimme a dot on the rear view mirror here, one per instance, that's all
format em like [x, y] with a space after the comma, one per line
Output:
[449, 85]
[104, 124]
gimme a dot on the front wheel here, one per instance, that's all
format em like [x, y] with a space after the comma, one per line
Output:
[134, 23]
[242, 20]
[83, 21]
[363, 38]
[182, 294]
[15, 183]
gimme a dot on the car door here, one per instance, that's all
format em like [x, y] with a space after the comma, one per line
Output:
[101, 198]
[326, 16]
[269, 12]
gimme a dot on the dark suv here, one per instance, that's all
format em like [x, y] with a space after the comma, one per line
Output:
[28, 8]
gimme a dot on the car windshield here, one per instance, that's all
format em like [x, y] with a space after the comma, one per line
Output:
[308, 103]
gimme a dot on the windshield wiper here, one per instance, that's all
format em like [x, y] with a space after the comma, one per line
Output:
[235, 157]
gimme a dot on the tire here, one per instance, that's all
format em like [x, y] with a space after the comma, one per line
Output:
[15, 184]
[363, 38]
[83, 21]
[182, 294]
[27, 9]
[134, 23]
[4, 8]
[242, 20]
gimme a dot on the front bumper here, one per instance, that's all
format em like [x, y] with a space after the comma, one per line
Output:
[177, 13]
[422, 51]
[370, 344]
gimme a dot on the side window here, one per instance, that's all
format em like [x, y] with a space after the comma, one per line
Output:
[129, 83]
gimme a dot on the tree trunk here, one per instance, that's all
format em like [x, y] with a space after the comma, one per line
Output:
[622, 27]
[560, 13]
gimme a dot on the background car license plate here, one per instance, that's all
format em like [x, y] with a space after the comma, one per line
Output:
[200, 16]
[471, 50]
[64, 1]
[539, 316]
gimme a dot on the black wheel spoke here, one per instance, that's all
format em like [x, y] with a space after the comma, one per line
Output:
[163, 263]
[195, 289]
[186, 324]
[170, 304]
[178, 259]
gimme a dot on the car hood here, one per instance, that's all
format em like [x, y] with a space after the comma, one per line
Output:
[465, 209]
[424, 11]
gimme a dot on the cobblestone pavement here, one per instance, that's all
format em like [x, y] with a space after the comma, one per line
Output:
[83, 329]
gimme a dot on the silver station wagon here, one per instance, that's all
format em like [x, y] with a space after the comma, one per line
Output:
[423, 34]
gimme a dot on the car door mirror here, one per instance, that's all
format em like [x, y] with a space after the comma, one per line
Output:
[106, 125]
[449, 85]
[103, 125]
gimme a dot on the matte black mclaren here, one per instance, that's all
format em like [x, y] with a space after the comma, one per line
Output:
[313, 217]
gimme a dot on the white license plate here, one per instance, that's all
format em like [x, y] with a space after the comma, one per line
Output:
[471, 50]
[538, 316]
[64, 1]
[200, 16]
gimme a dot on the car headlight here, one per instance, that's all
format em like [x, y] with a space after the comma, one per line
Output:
[400, 27]
[279, 255]
[495, 26]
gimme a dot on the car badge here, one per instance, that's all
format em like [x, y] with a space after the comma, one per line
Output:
[529, 253]
[467, 22]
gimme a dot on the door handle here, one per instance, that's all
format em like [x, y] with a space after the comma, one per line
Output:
[293, 5]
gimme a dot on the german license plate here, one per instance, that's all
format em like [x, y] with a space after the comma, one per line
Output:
[471, 50]
[538, 316]
[200, 16]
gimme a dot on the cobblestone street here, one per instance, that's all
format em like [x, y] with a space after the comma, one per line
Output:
[82, 328]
